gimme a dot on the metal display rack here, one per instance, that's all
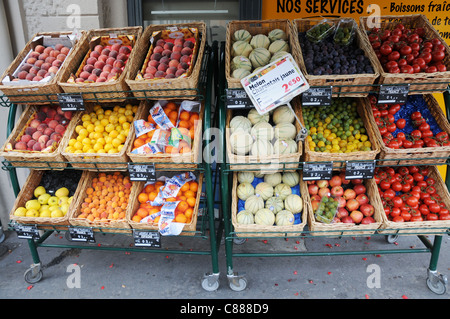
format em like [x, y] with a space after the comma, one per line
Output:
[238, 282]
[206, 224]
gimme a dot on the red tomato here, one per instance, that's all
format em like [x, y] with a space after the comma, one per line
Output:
[396, 211]
[412, 201]
[405, 50]
[406, 187]
[416, 219]
[407, 69]
[432, 217]
[444, 216]
[434, 208]
[431, 69]
[437, 56]
[416, 68]
[441, 68]
[436, 41]
[396, 186]
[395, 55]
[398, 219]
[423, 209]
[406, 216]
[385, 49]
[418, 177]
[385, 184]
[413, 38]
[426, 56]
[414, 46]
[389, 194]
[397, 201]
[420, 62]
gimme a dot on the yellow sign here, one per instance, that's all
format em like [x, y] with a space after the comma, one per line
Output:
[435, 11]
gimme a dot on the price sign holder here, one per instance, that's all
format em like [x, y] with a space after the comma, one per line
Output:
[142, 173]
[82, 234]
[147, 238]
[317, 96]
[27, 232]
[360, 170]
[71, 102]
[393, 94]
[275, 84]
[317, 171]
[238, 99]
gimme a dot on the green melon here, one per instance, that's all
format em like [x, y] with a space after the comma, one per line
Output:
[255, 117]
[241, 48]
[259, 57]
[241, 62]
[284, 218]
[242, 35]
[245, 190]
[293, 203]
[264, 217]
[241, 142]
[278, 46]
[240, 74]
[285, 131]
[264, 190]
[277, 34]
[261, 148]
[245, 218]
[260, 41]
[285, 146]
[254, 203]
[240, 122]
[262, 130]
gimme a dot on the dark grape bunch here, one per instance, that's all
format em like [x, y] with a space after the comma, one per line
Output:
[329, 58]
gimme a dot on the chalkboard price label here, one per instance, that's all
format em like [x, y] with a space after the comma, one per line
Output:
[142, 173]
[147, 238]
[360, 170]
[27, 232]
[82, 234]
[317, 96]
[238, 99]
[71, 102]
[317, 171]
[393, 94]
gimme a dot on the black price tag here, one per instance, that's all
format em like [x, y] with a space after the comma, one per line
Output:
[393, 94]
[82, 234]
[27, 232]
[71, 102]
[238, 99]
[360, 170]
[142, 173]
[317, 171]
[147, 238]
[317, 96]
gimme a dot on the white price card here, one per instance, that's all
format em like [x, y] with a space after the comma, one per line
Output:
[275, 84]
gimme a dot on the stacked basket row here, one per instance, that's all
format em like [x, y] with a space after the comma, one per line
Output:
[118, 88]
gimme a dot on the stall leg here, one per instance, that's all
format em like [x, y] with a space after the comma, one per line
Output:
[34, 273]
[436, 282]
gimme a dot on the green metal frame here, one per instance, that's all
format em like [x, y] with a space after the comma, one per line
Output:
[208, 227]
[230, 235]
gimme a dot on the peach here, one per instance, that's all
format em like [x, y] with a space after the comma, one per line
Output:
[43, 56]
[48, 131]
[55, 53]
[37, 135]
[31, 60]
[104, 74]
[68, 115]
[53, 69]
[84, 75]
[166, 53]
[180, 72]
[37, 78]
[113, 54]
[116, 47]
[48, 50]
[160, 42]
[94, 54]
[110, 61]
[46, 66]
[79, 80]
[175, 56]
[106, 51]
[57, 63]
[51, 113]
[186, 51]
[42, 127]
[22, 75]
[50, 60]
[65, 50]
[188, 44]
[61, 57]
[150, 70]
[59, 112]
[160, 74]
[21, 146]
[31, 143]
[186, 59]
[154, 63]
[60, 129]
[116, 71]
[125, 50]
[39, 48]
[49, 143]
[37, 147]
[156, 56]
[164, 60]
[26, 138]
[101, 79]
[118, 64]
[91, 61]
[148, 76]
[169, 76]
[174, 63]
[59, 46]
[26, 67]
[43, 139]
[98, 48]
[107, 68]
[56, 137]
[171, 70]
[162, 67]
[168, 46]
[93, 77]
[158, 49]
[34, 70]
[177, 48]
[179, 41]
[34, 54]
[30, 131]
[53, 124]
[42, 73]
[111, 76]
[39, 63]
[122, 57]
[41, 116]
[30, 77]
[88, 68]
[97, 72]
[103, 58]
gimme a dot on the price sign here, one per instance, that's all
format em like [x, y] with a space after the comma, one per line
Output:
[238, 99]
[71, 102]
[317, 171]
[82, 234]
[27, 232]
[147, 238]
[317, 96]
[393, 94]
[142, 173]
[359, 170]
[275, 84]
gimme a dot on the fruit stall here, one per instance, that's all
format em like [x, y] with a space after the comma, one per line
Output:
[113, 140]
[369, 164]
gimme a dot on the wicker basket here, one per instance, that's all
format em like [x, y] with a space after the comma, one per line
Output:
[94, 162]
[254, 27]
[425, 227]
[165, 88]
[356, 85]
[254, 230]
[187, 160]
[45, 93]
[420, 83]
[110, 91]
[412, 156]
[340, 158]
[27, 193]
[346, 229]
[110, 226]
[188, 229]
[267, 164]
[38, 160]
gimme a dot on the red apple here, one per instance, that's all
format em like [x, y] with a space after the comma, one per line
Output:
[357, 216]
[343, 180]
[313, 189]
[315, 204]
[341, 213]
[357, 181]
[359, 189]
[367, 220]
[325, 191]
[322, 183]
[337, 191]
[349, 194]
[335, 181]
[362, 199]
[347, 220]
[367, 210]
[342, 202]
[352, 205]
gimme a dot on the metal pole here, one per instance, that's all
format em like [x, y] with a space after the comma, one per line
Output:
[10, 127]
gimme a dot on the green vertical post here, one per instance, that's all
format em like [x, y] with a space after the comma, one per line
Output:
[435, 253]
[9, 129]
[447, 110]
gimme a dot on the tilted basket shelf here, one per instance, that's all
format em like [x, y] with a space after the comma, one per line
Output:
[189, 229]
[340, 158]
[412, 156]
[27, 193]
[36, 92]
[161, 161]
[155, 89]
[95, 161]
[318, 228]
[115, 90]
[356, 85]
[254, 27]
[255, 230]
[38, 160]
[420, 83]
[430, 227]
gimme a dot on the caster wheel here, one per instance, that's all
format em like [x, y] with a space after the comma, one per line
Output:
[33, 278]
[210, 286]
[239, 241]
[242, 284]
[437, 284]
[391, 238]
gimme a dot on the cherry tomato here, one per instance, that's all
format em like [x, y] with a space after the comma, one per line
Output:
[418, 177]
[406, 216]
[406, 187]
[430, 181]
[374, 37]
[376, 45]
[439, 47]
[441, 136]
[436, 41]
[389, 194]
[416, 68]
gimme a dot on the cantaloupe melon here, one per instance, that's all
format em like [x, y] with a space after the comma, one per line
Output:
[277, 34]
[285, 146]
[245, 177]
[241, 62]
[261, 148]
[285, 131]
[264, 190]
[277, 46]
[273, 179]
[293, 203]
[241, 48]
[245, 190]
[262, 130]
[240, 122]
[282, 191]
[242, 35]
[278, 56]
[283, 114]
[241, 142]
[254, 203]
[264, 217]
[245, 218]
[291, 179]
[255, 117]
[240, 74]
[259, 57]
[284, 218]
[260, 41]
[275, 204]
